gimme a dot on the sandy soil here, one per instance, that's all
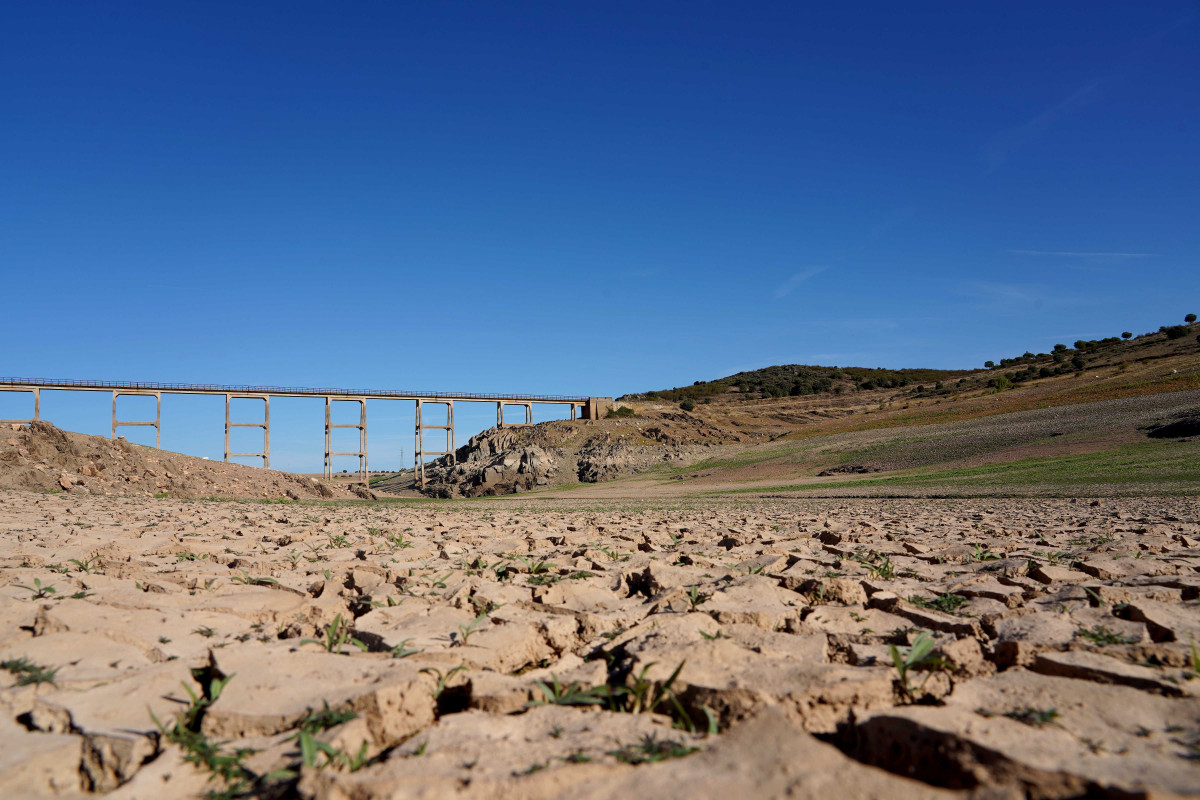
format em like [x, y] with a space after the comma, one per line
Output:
[537, 649]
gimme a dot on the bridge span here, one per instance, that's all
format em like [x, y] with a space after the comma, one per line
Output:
[581, 408]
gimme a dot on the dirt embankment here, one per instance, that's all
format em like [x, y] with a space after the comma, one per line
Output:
[40, 457]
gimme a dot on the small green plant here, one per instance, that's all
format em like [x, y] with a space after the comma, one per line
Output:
[337, 636]
[339, 540]
[227, 766]
[536, 567]
[947, 603]
[644, 696]
[252, 581]
[651, 750]
[39, 592]
[482, 606]
[980, 553]
[1102, 636]
[87, 565]
[402, 650]
[1035, 717]
[161, 496]
[877, 564]
[28, 673]
[918, 655]
[205, 631]
[696, 598]
[398, 542]
[443, 678]
[465, 631]
[573, 694]
[608, 551]
[311, 748]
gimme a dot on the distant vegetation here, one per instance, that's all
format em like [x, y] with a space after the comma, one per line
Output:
[802, 379]
[799, 379]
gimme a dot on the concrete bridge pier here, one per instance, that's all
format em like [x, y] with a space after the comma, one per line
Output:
[419, 451]
[37, 410]
[157, 416]
[265, 455]
[528, 413]
[361, 427]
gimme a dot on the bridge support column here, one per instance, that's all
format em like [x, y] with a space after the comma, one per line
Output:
[419, 451]
[361, 453]
[37, 409]
[265, 455]
[528, 413]
[157, 415]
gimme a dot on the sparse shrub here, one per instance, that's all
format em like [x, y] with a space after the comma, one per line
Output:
[688, 404]
[1175, 331]
[624, 412]
[1000, 383]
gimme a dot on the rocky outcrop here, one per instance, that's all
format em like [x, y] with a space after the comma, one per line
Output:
[497, 461]
[509, 460]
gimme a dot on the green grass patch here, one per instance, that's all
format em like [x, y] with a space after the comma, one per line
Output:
[1150, 467]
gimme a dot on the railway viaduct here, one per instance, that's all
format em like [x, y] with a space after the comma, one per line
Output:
[581, 408]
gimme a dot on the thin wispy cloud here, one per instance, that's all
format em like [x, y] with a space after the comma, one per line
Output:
[792, 283]
[1000, 146]
[1075, 254]
[1018, 297]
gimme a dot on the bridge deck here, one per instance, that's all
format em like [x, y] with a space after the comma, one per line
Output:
[25, 384]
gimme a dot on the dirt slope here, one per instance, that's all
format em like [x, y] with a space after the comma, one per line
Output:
[42, 458]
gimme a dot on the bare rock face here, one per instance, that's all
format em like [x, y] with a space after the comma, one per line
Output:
[497, 461]
[511, 460]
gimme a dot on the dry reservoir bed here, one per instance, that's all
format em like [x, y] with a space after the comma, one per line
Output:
[848, 649]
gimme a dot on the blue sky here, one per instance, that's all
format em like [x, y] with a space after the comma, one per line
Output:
[568, 197]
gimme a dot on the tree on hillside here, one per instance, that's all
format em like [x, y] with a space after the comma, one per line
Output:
[1189, 319]
[989, 364]
[1127, 335]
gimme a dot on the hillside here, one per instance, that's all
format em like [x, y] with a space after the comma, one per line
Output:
[904, 432]
[792, 380]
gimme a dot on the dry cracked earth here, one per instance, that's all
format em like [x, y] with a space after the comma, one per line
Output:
[810, 649]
